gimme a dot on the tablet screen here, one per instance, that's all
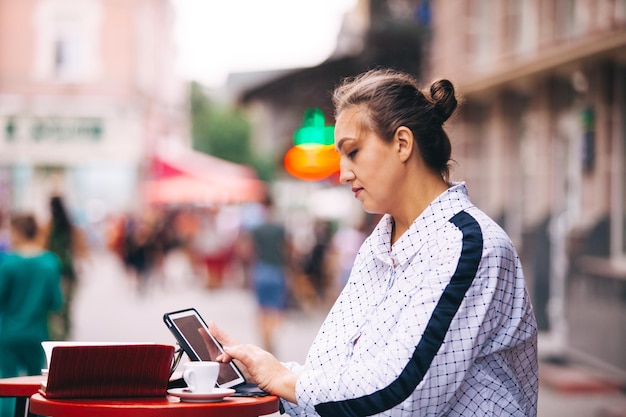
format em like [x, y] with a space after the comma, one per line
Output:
[193, 335]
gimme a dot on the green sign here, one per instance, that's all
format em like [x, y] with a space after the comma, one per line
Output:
[57, 129]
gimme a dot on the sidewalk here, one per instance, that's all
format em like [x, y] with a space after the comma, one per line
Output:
[107, 308]
[575, 389]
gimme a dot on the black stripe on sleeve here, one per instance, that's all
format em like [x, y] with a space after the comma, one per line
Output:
[434, 333]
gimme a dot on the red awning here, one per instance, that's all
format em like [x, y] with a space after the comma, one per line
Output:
[175, 160]
[185, 176]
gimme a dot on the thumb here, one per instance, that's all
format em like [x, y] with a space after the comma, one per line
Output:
[234, 351]
[226, 356]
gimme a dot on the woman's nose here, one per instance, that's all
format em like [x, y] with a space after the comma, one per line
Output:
[345, 174]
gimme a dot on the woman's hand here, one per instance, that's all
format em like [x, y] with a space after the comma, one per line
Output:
[265, 370]
[226, 340]
[257, 365]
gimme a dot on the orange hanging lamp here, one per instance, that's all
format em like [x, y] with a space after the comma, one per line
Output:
[313, 156]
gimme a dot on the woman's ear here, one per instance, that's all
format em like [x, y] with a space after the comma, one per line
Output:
[404, 142]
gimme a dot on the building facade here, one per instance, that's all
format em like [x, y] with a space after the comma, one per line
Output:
[87, 90]
[541, 142]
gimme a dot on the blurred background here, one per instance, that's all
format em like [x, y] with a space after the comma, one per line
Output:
[163, 124]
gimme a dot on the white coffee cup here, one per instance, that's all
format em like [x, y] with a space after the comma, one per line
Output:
[201, 376]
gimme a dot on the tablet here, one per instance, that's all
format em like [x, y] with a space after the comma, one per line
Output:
[192, 333]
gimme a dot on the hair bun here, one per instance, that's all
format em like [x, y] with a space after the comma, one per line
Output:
[443, 99]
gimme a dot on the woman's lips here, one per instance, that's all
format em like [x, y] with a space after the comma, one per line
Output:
[357, 191]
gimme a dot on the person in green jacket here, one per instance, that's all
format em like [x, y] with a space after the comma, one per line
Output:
[30, 288]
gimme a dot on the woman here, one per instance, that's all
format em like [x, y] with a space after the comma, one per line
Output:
[30, 288]
[435, 318]
[269, 272]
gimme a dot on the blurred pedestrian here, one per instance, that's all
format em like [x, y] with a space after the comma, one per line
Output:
[30, 288]
[269, 272]
[435, 318]
[213, 245]
[142, 251]
[343, 249]
[316, 262]
[64, 239]
[116, 235]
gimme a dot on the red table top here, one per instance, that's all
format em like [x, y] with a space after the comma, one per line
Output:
[21, 386]
[153, 407]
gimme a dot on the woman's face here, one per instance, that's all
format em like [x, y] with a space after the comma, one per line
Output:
[367, 163]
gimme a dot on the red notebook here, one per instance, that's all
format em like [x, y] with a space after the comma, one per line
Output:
[109, 371]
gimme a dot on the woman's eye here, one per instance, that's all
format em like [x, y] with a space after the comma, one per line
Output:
[352, 154]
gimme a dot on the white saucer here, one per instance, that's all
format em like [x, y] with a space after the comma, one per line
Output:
[217, 394]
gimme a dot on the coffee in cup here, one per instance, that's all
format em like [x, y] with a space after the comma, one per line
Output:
[200, 376]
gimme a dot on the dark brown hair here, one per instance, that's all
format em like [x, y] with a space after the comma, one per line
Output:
[392, 99]
[59, 215]
[25, 225]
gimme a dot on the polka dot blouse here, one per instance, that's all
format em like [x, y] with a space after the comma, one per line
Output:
[439, 324]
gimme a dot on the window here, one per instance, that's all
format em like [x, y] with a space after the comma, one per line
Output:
[620, 12]
[68, 56]
[67, 40]
[521, 27]
[565, 19]
[618, 218]
[622, 218]
[480, 33]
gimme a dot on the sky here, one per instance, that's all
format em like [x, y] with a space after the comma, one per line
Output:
[215, 37]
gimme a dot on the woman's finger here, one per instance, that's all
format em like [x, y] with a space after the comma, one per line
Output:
[226, 340]
[221, 336]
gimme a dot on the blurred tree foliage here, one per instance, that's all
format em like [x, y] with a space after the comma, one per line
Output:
[223, 132]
